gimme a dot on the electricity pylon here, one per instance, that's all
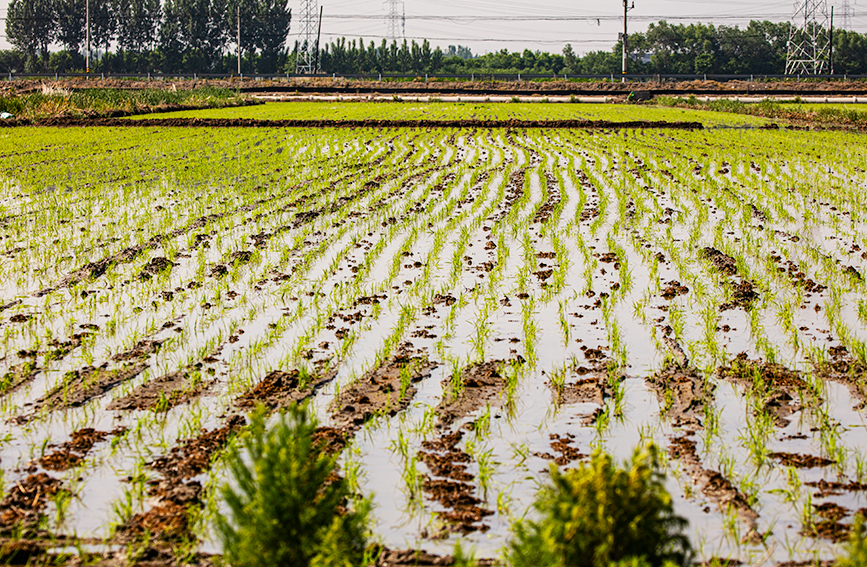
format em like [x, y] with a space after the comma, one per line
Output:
[809, 46]
[396, 20]
[846, 13]
[308, 59]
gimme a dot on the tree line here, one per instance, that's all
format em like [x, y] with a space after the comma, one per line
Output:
[200, 36]
[147, 35]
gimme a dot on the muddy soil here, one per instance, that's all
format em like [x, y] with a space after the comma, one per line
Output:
[715, 486]
[279, 389]
[175, 493]
[387, 389]
[842, 367]
[775, 387]
[73, 452]
[165, 392]
[480, 384]
[800, 461]
[682, 395]
[251, 123]
[450, 485]
[22, 506]
[566, 452]
[448, 482]
[593, 386]
[82, 385]
[743, 292]
[551, 203]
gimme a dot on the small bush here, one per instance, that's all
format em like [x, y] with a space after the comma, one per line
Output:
[600, 514]
[856, 548]
[286, 503]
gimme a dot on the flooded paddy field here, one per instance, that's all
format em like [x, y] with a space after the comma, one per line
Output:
[461, 307]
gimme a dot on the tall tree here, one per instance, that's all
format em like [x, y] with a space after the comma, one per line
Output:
[273, 21]
[102, 23]
[30, 25]
[202, 31]
[137, 24]
[170, 45]
[70, 16]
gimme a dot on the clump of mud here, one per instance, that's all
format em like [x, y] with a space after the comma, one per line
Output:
[72, 453]
[842, 367]
[744, 293]
[175, 493]
[24, 503]
[776, 387]
[389, 388]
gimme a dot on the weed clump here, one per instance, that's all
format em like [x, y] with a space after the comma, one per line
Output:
[601, 514]
[287, 505]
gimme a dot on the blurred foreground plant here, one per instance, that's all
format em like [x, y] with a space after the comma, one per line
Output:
[287, 505]
[601, 514]
[856, 548]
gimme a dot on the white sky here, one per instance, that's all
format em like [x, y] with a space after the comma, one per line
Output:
[593, 25]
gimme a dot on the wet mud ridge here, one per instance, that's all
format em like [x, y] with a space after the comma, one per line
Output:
[716, 487]
[87, 383]
[279, 389]
[71, 453]
[176, 491]
[170, 390]
[776, 387]
[744, 292]
[252, 123]
[386, 390]
[683, 394]
[449, 483]
[592, 386]
[842, 367]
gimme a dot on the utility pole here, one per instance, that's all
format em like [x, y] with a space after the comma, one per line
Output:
[625, 36]
[318, 36]
[87, 18]
[239, 39]
[831, 42]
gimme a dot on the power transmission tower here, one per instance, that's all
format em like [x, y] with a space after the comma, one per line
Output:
[846, 12]
[809, 44]
[396, 20]
[307, 62]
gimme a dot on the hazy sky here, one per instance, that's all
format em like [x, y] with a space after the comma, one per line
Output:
[510, 24]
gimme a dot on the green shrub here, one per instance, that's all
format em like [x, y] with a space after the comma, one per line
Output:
[285, 502]
[856, 548]
[599, 514]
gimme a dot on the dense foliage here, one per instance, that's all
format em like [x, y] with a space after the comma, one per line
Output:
[286, 504]
[51, 103]
[201, 36]
[601, 513]
[856, 548]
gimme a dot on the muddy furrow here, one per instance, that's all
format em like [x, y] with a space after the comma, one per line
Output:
[449, 483]
[252, 123]
[684, 396]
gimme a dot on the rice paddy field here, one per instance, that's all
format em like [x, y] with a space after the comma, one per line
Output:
[461, 111]
[461, 307]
